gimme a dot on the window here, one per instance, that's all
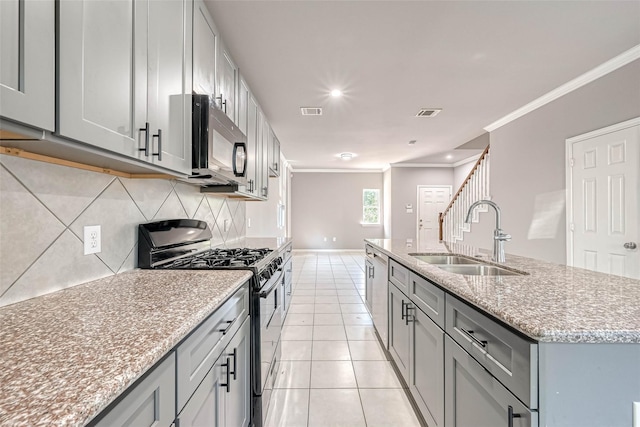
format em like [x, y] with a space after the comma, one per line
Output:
[371, 206]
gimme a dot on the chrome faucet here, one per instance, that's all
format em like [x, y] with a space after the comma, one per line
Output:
[499, 236]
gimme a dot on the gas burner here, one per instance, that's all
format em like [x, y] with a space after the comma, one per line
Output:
[238, 257]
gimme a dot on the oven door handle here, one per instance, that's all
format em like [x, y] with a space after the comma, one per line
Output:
[276, 282]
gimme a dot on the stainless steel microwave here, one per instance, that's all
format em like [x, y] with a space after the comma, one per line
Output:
[219, 146]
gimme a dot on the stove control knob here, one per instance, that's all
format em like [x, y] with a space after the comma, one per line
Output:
[266, 274]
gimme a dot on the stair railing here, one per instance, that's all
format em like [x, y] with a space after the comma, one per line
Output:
[474, 187]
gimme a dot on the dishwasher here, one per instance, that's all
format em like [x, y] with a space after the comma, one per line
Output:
[377, 292]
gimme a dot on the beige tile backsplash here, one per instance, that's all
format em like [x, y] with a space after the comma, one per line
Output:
[44, 207]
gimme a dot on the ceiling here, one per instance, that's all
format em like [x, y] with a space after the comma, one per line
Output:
[477, 60]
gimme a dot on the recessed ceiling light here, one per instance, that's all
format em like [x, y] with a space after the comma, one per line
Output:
[336, 93]
[449, 156]
[346, 156]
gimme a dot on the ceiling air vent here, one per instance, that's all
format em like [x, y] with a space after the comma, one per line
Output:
[428, 112]
[311, 111]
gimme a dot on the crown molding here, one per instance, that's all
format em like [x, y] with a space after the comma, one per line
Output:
[336, 170]
[586, 78]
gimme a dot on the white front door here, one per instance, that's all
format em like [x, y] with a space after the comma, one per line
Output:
[603, 201]
[431, 201]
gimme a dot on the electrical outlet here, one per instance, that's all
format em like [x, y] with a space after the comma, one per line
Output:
[248, 222]
[92, 239]
[334, 239]
[226, 225]
[325, 239]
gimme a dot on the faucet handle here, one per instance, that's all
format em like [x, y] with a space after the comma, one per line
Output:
[502, 236]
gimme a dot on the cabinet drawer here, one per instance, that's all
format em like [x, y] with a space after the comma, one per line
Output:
[399, 276]
[150, 402]
[428, 297]
[510, 358]
[475, 398]
[197, 354]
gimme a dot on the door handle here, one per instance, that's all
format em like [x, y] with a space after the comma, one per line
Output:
[159, 153]
[511, 416]
[235, 363]
[228, 383]
[630, 245]
[145, 129]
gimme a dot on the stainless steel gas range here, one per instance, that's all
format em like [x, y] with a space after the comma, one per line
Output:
[186, 244]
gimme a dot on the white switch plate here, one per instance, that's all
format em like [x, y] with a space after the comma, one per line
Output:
[248, 222]
[334, 239]
[636, 414]
[92, 239]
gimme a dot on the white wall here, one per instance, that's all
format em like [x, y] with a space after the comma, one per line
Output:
[528, 158]
[404, 190]
[460, 173]
[330, 205]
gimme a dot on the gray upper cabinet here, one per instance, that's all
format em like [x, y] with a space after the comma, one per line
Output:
[99, 100]
[266, 143]
[125, 78]
[274, 156]
[205, 37]
[27, 53]
[227, 75]
[169, 67]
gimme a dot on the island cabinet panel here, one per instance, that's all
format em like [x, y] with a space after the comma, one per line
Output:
[428, 297]
[511, 358]
[399, 332]
[588, 385]
[149, 403]
[474, 398]
[426, 373]
[399, 276]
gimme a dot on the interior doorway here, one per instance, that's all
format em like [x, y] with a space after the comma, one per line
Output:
[432, 199]
[603, 204]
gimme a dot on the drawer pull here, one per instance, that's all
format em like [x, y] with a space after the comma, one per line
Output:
[470, 334]
[511, 416]
[228, 383]
[225, 330]
[403, 307]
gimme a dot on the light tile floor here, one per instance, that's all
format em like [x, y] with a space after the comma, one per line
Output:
[334, 371]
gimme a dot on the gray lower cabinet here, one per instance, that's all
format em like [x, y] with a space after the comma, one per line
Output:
[380, 297]
[27, 60]
[399, 331]
[223, 397]
[474, 398]
[152, 402]
[368, 284]
[426, 367]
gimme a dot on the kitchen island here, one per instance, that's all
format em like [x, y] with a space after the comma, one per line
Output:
[554, 346]
[67, 355]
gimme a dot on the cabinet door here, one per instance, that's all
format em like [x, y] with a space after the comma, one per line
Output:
[203, 408]
[170, 83]
[426, 376]
[101, 56]
[227, 73]
[266, 138]
[261, 167]
[205, 37]
[149, 403]
[238, 394]
[399, 332]
[274, 156]
[475, 398]
[27, 73]
[252, 146]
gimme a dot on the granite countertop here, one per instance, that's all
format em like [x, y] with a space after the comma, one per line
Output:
[65, 356]
[554, 303]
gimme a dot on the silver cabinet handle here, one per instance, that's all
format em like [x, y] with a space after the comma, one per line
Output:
[145, 129]
[630, 245]
[159, 153]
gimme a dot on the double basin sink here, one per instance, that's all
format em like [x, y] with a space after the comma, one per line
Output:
[467, 266]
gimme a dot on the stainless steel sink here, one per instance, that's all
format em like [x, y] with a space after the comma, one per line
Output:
[479, 270]
[445, 259]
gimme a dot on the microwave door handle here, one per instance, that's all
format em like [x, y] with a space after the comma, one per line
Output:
[242, 146]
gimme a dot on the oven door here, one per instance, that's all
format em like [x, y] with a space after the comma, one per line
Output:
[270, 328]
